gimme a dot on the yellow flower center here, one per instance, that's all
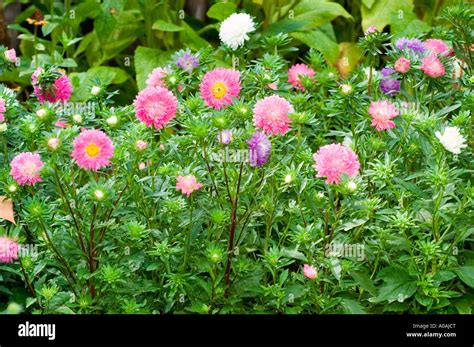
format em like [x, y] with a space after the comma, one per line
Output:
[219, 90]
[92, 150]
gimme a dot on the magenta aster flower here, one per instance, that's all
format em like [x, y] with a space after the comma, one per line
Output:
[432, 66]
[382, 113]
[8, 250]
[187, 184]
[157, 77]
[333, 160]
[296, 72]
[59, 90]
[3, 109]
[219, 86]
[259, 149]
[92, 150]
[155, 105]
[271, 115]
[25, 168]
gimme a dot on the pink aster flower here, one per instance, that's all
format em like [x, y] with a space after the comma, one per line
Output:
[187, 184]
[8, 250]
[402, 65]
[296, 72]
[432, 66]
[371, 29]
[3, 109]
[333, 160]
[92, 150]
[61, 124]
[59, 90]
[310, 271]
[10, 55]
[271, 115]
[141, 145]
[436, 46]
[219, 86]
[155, 105]
[382, 113]
[25, 168]
[157, 77]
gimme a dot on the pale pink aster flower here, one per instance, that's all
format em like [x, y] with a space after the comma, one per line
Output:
[333, 160]
[157, 77]
[382, 113]
[10, 55]
[432, 66]
[224, 137]
[402, 65]
[141, 145]
[8, 250]
[371, 29]
[61, 124]
[272, 86]
[219, 86]
[187, 184]
[155, 105]
[296, 72]
[271, 115]
[310, 271]
[25, 168]
[437, 46]
[92, 150]
[142, 166]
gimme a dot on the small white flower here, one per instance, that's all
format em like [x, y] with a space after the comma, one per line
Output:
[288, 179]
[346, 88]
[12, 188]
[41, 113]
[77, 118]
[451, 139]
[53, 143]
[352, 186]
[112, 120]
[3, 127]
[99, 194]
[95, 90]
[234, 30]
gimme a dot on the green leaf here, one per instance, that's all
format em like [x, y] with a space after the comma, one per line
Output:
[64, 310]
[444, 276]
[146, 59]
[380, 14]
[221, 10]
[466, 274]
[166, 26]
[364, 281]
[48, 28]
[352, 307]
[320, 41]
[293, 254]
[407, 26]
[353, 224]
[191, 39]
[318, 12]
[398, 285]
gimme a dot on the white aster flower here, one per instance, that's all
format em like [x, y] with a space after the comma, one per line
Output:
[234, 30]
[451, 139]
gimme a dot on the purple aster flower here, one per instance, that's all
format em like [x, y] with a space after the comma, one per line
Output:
[224, 137]
[259, 149]
[413, 44]
[386, 71]
[390, 86]
[186, 61]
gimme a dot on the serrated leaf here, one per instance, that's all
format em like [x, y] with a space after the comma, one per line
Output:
[398, 286]
[466, 274]
[364, 281]
[352, 307]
